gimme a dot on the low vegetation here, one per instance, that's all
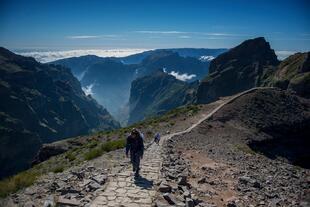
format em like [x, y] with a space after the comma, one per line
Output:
[105, 147]
[93, 148]
[244, 148]
[17, 182]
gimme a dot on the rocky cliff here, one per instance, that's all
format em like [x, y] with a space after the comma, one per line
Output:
[292, 74]
[157, 93]
[40, 104]
[239, 69]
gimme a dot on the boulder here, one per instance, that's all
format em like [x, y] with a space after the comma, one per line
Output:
[169, 198]
[182, 180]
[67, 202]
[189, 202]
[164, 188]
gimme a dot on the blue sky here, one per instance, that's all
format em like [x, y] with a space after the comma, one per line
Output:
[73, 24]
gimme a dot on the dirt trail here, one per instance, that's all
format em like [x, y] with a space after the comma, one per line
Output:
[124, 190]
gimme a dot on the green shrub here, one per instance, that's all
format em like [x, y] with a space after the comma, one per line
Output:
[58, 169]
[244, 148]
[93, 153]
[70, 156]
[105, 147]
[17, 182]
[92, 144]
[113, 145]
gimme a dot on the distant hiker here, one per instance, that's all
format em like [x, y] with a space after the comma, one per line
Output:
[136, 147]
[141, 135]
[157, 138]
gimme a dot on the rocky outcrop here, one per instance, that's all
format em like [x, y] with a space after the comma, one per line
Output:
[293, 74]
[75, 187]
[157, 93]
[40, 104]
[239, 69]
[252, 151]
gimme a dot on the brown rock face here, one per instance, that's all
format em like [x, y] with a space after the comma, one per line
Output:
[239, 69]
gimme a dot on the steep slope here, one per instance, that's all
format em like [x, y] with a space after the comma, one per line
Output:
[40, 104]
[248, 152]
[157, 93]
[293, 74]
[109, 82]
[78, 166]
[240, 68]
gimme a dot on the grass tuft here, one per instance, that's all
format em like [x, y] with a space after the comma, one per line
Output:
[17, 182]
[105, 147]
[244, 148]
[58, 169]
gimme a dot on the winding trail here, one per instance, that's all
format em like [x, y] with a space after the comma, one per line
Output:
[123, 189]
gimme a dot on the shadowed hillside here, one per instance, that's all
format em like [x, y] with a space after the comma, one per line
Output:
[41, 104]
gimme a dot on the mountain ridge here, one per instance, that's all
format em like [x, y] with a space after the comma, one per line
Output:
[43, 103]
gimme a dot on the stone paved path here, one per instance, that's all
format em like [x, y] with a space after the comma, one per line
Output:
[123, 190]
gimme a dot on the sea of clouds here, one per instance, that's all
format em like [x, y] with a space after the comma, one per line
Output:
[49, 56]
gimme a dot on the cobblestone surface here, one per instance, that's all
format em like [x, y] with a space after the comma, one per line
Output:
[123, 189]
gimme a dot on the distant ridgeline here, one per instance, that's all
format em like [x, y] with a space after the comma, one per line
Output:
[109, 79]
[152, 82]
[253, 63]
[41, 104]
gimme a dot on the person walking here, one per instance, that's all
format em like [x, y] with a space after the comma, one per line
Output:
[135, 145]
[157, 138]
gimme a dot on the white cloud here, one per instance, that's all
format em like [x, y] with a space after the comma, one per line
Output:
[93, 36]
[88, 90]
[282, 54]
[48, 56]
[192, 34]
[223, 34]
[160, 32]
[184, 37]
[83, 37]
[206, 58]
[81, 76]
[182, 77]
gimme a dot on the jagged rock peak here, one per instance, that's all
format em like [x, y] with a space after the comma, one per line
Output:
[249, 51]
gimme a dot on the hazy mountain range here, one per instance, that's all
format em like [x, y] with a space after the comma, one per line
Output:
[109, 80]
[42, 103]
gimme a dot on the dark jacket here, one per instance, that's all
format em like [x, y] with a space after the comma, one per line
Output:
[134, 145]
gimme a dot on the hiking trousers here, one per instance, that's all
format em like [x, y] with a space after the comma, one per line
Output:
[135, 161]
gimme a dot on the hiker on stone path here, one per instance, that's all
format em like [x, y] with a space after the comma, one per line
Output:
[135, 146]
[157, 138]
